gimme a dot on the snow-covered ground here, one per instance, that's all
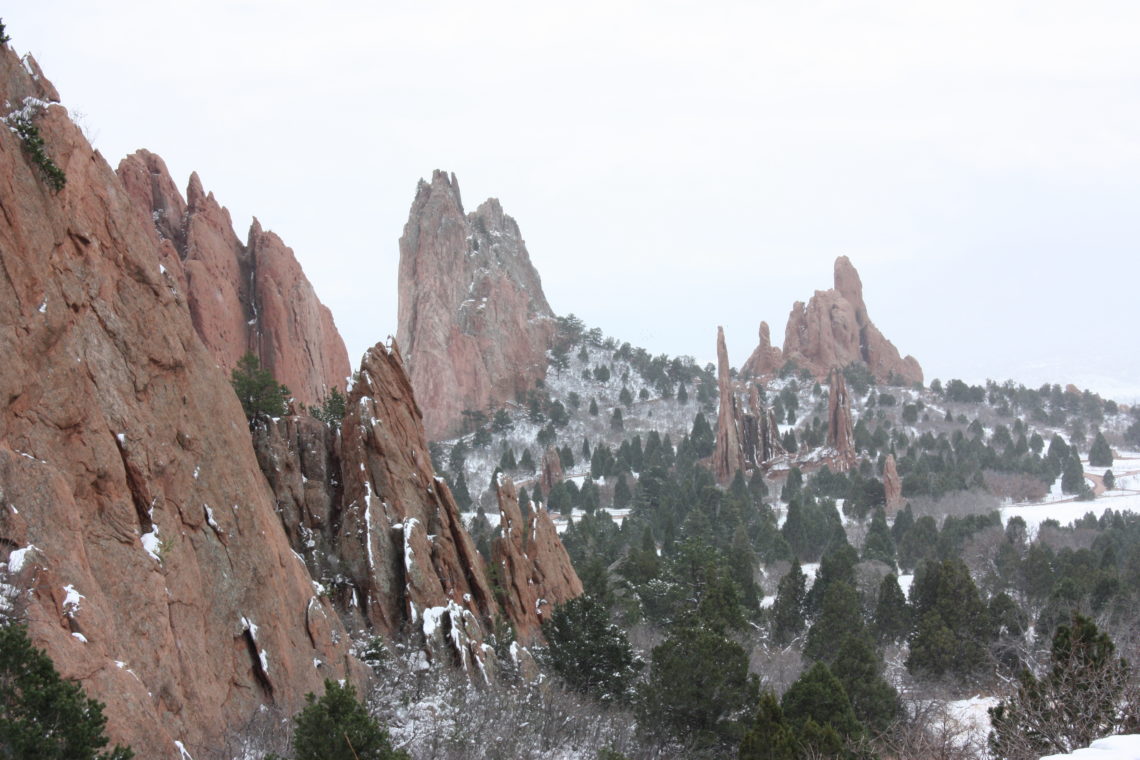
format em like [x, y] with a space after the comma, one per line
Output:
[1064, 508]
[1124, 747]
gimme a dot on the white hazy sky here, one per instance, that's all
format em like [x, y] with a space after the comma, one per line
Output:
[673, 165]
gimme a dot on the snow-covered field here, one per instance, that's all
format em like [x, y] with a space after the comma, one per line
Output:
[1125, 747]
[1064, 508]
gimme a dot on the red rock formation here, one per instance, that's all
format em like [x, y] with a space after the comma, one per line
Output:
[840, 430]
[535, 569]
[833, 330]
[251, 297]
[766, 359]
[401, 541]
[728, 456]
[551, 471]
[473, 320]
[892, 485]
[126, 462]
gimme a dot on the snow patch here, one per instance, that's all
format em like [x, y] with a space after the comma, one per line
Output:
[19, 558]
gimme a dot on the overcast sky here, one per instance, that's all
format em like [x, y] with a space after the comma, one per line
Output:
[673, 166]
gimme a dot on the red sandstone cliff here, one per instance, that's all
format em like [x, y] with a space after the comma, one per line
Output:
[127, 471]
[728, 457]
[473, 320]
[242, 297]
[833, 330]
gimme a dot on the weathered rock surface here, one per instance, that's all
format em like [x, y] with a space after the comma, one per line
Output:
[834, 330]
[242, 297]
[400, 541]
[728, 457]
[766, 359]
[840, 429]
[473, 320]
[892, 486]
[125, 460]
[552, 473]
[534, 568]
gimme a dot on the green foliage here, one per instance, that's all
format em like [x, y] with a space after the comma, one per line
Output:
[1078, 700]
[260, 394]
[840, 614]
[1072, 474]
[616, 422]
[41, 715]
[879, 544]
[770, 737]
[818, 697]
[591, 655]
[892, 615]
[788, 609]
[1109, 480]
[331, 410]
[1100, 455]
[859, 378]
[338, 727]
[33, 144]
[860, 669]
[699, 689]
[952, 631]
[4, 38]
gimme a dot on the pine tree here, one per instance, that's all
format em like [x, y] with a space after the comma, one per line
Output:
[593, 407]
[769, 737]
[1109, 480]
[840, 615]
[526, 461]
[1075, 702]
[338, 727]
[616, 422]
[953, 630]
[1100, 455]
[591, 655]
[626, 397]
[788, 609]
[622, 494]
[860, 669]
[878, 545]
[261, 396]
[1072, 474]
[892, 615]
[41, 715]
[461, 494]
[818, 697]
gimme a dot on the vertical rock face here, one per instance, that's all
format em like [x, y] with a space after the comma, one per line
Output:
[552, 473]
[535, 570]
[242, 297]
[399, 538]
[833, 330]
[840, 430]
[473, 320]
[766, 359]
[160, 575]
[728, 456]
[892, 486]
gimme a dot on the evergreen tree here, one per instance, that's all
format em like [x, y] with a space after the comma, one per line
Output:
[41, 715]
[840, 615]
[501, 422]
[1100, 455]
[526, 461]
[616, 422]
[261, 396]
[769, 737]
[892, 615]
[788, 609]
[1072, 474]
[338, 727]
[878, 545]
[952, 631]
[331, 410]
[819, 698]
[860, 669]
[507, 461]
[591, 655]
[625, 397]
[586, 449]
[566, 457]
[699, 688]
[1109, 480]
[1073, 703]
[461, 494]
[593, 407]
[682, 394]
[702, 437]
[622, 495]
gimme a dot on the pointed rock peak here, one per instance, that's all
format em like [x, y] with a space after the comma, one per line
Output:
[442, 186]
[892, 486]
[849, 285]
[765, 336]
[254, 230]
[721, 352]
[194, 192]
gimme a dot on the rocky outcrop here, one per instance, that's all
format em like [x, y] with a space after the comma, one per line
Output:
[133, 508]
[892, 486]
[473, 320]
[840, 429]
[400, 542]
[766, 360]
[728, 457]
[552, 473]
[834, 330]
[533, 566]
[242, 297]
